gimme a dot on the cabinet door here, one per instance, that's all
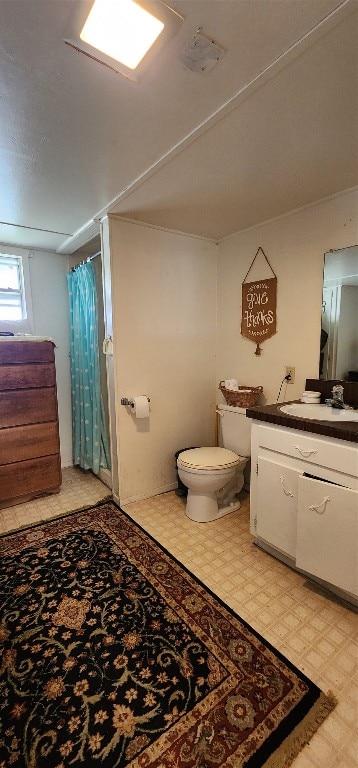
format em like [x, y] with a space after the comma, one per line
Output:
[277, 489]
[327, 532]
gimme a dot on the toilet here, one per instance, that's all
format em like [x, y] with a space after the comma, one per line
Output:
[215, 476]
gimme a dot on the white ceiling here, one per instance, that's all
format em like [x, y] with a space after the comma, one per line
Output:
[271, 128]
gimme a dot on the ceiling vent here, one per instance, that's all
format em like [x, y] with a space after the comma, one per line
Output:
[201, 54]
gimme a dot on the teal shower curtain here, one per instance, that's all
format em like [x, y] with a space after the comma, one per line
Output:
[90, 440]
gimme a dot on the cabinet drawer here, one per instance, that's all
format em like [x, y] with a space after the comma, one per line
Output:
[312, 450]
[30, 477]
[28, 442]
[27, 376]
[28, 406]
[26, 352]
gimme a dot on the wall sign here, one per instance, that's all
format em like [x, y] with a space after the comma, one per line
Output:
[259, 300]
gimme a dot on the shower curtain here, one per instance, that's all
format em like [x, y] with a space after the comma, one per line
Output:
[90, 440]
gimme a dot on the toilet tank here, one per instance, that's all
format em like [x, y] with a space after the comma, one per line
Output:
[235, 429]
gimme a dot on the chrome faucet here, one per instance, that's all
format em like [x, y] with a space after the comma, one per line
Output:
[337, 396]
[336, 401]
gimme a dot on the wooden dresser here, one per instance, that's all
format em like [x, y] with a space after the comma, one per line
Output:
[30, 463]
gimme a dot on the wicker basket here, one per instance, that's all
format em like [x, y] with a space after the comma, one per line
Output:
[244, 397]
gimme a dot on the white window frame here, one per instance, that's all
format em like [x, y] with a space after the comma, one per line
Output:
[25, 325]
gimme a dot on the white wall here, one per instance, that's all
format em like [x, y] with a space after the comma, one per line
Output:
[295, 246]
[51, 318]
[164, 307]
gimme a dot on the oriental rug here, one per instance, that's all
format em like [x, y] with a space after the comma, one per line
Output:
[114, 655]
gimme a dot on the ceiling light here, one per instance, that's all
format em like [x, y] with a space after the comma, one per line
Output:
[114, 29]
[121, 29]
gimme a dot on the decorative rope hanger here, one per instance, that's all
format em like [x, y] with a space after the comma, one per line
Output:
[252, 263]
[258, 320]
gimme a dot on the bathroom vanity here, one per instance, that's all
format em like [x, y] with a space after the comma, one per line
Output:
[304, 495]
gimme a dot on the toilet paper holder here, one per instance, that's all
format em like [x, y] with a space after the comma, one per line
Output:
[130, 401]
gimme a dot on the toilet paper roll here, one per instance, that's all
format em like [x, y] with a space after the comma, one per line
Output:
[140, 407]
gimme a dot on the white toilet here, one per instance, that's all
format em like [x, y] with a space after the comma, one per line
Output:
[215, 476]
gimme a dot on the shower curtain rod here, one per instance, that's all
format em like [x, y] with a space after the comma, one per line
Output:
[89, 258]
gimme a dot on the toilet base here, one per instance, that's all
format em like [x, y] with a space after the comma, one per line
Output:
[203, 508]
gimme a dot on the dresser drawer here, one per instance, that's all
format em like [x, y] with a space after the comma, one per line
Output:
[27, 376]
[312, 450]
[28, 442]
[28, 406]
[26, 352]
[30, 477]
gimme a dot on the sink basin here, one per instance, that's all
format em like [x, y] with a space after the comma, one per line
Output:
[319, 412]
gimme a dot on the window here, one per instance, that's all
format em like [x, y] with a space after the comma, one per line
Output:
[12, 300]
[15, 295]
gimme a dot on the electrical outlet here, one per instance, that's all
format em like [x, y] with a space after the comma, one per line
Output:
[290, 370]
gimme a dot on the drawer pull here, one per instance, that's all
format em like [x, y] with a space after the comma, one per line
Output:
[285, 490]
[304, 453]
[323, 504]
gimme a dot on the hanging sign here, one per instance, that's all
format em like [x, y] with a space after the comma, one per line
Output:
[259, 300]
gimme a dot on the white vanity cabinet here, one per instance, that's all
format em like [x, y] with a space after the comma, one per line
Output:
[304, 502]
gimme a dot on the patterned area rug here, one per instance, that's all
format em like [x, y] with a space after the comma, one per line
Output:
[114, 655]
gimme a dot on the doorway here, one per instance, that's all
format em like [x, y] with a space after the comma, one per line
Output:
[89, 259]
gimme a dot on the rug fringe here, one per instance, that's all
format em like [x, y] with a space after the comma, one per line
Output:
[302, 734]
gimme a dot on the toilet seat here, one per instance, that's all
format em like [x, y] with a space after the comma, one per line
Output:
[208, 459]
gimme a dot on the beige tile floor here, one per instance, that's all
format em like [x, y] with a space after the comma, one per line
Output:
[78, 489]
[316, 632]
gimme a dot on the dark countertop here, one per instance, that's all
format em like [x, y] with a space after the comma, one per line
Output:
[272, 414]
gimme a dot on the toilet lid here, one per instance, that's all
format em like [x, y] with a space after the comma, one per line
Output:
[208, 458]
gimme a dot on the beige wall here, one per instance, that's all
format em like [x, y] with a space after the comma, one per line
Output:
[164, 309]
[295, 246]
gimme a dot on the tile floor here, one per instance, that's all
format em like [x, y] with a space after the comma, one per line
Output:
[316, 632]
[79, 489]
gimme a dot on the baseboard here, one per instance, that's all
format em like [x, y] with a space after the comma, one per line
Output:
[65, 463]
[149, 494]
[105, 477]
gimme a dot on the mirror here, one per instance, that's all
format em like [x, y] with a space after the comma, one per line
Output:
[339, 319]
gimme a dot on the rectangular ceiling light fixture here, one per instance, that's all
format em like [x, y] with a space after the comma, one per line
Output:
[122, 30]
[120, 33]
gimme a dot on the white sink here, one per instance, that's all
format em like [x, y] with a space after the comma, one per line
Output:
[319, 412]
